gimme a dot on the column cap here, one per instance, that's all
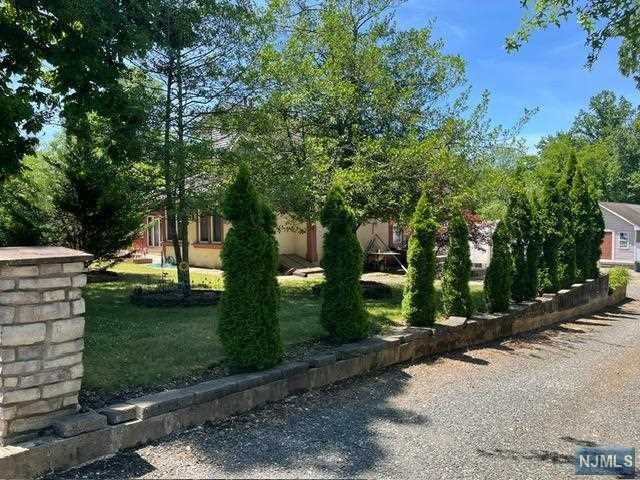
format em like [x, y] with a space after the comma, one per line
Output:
[38, 255]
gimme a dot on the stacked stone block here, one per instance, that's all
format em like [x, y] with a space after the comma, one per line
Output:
[41, 337]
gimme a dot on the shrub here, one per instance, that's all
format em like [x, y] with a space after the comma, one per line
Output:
[524, 247]
[497, 282]
[419, 301]
[249, 328]
[553, 232]
[343, 314]
[584, 233]
[618, 277]
[456, 297]
[564, 216]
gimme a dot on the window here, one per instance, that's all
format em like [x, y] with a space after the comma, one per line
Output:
[218, 227]
[624, 240]
[153, 231]
[210, 229]
[205, 229]
[172, 228]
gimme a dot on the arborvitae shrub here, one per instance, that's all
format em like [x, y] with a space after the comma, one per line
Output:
[456, 297]
[553, 231]
[564, 214]
[249, 328]
[588, 227]
[497, 282]
[521, 223]
[419, 299]
[343, 314]
[584, 233]
[597, 234]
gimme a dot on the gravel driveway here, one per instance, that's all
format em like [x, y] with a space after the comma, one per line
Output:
[515, 409]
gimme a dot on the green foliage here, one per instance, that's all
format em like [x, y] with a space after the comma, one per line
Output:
[419, 301]
[457, 269]
[97, 205]
[558, 269]
[248, 328]
[352, 100]
[588, 228]
[618, 277]
[605, 138]
[497, 282]
[600, 20]
[552, 229]
[59, 50]
[564, 215]
[343, 313]
[26, 207]
[522, 226]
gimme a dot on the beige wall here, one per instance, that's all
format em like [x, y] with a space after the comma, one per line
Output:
[291, 236]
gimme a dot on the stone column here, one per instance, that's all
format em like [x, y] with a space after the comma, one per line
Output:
[41, 337]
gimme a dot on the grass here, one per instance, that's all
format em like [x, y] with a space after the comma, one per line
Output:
[128, 345]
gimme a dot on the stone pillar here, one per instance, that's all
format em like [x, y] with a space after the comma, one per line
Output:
[41, 337]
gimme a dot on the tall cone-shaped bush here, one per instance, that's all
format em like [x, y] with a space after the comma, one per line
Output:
[524, 248]
[456, 297]
[343, 314]
[497, 282]
[249, 328]
[419, 300]
[589, 228]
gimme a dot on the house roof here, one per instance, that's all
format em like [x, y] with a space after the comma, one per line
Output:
[627, 211]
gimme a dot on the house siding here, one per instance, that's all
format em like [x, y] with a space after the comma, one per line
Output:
[617, 225]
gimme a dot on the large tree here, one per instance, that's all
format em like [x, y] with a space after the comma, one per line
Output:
[61, 52]
[199, 54]
[344, 95]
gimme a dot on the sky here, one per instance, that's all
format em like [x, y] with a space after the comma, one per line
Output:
[548, 72]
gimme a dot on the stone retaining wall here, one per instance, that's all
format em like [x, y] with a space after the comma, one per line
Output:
[86, 437]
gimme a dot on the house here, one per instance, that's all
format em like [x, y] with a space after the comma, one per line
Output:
[207, 233]
[621, 242]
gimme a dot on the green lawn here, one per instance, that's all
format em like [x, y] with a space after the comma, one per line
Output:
[127, 345]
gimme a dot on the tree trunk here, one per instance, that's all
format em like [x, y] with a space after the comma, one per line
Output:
[170, 201]
[183, 214]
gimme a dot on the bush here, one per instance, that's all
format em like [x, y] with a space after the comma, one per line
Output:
[456, 297]
[343, 314]
[419, 301]
[618, 277]
[524, 247]
[249, 328]
[497, 282]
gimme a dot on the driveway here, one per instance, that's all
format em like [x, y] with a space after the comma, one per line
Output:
[514, 409]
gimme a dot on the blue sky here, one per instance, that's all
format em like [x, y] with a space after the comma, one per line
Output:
[547, 73]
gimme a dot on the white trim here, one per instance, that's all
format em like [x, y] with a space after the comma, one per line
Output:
[628, 240]
[617, 215]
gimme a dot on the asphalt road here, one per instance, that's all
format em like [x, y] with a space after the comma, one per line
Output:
[516, 409]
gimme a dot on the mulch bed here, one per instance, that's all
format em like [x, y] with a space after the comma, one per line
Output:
[174, 297]
[103, 276]
[370, 290]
